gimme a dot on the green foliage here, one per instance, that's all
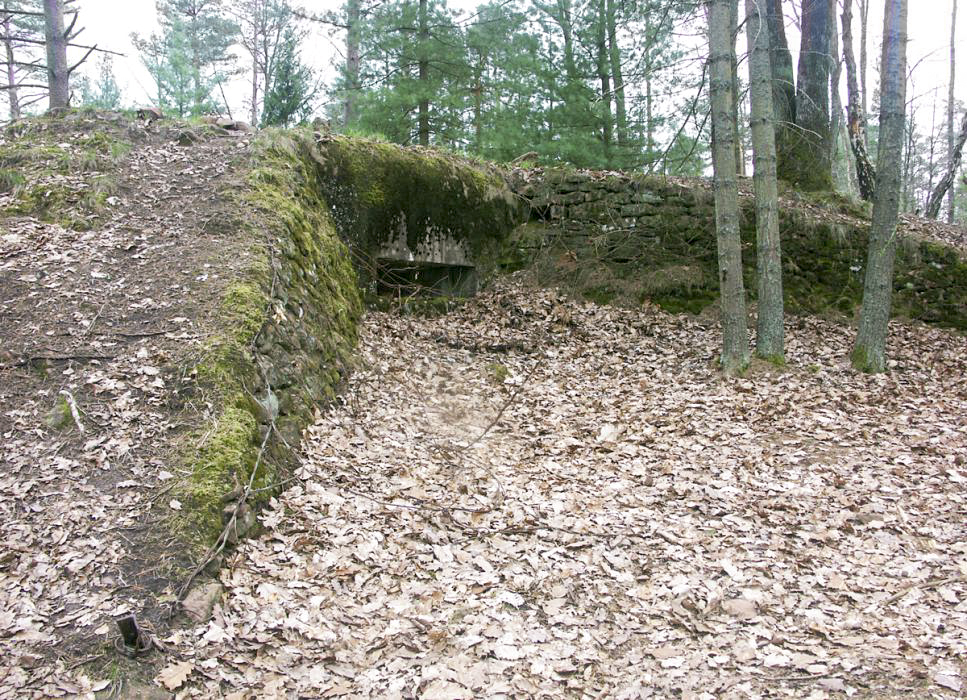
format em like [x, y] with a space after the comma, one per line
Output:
[104, 93]
[289, 98]
[190, 56]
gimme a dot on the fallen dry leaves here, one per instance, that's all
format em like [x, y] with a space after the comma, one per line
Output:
[633, 525]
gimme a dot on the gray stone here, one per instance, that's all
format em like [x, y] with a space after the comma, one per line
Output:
[200, 601]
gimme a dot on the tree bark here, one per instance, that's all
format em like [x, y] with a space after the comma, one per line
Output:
[353, 28]
[864, 61]
[783, 81]
[950, 109]
[735, 344]
[424, 75]
[13, 96]
[804, 160]
[769, 321]
[855, 113]
[614, 56]
[945, 185]
[58, 77]
[869, 351]
[733, 32]
[604, 76]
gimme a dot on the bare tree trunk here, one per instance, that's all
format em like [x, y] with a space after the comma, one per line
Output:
[254, 112]
[856, 113]
[835, 106]
[805, 161]
[769, 321]
[733, 32]
[13, 96]
[950, 108]
[869, 352]
[780, 60]
[604, 76]
[57, 68]
[864, 61]
[614, 56]
[353, 19]
[735, 343]
[945, 184]
[424, 69]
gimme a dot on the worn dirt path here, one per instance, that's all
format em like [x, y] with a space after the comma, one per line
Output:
[634, 525]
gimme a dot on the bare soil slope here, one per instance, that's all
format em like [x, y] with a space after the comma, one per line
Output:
[101, 294]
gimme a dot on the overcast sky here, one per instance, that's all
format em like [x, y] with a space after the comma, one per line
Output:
[109, 23]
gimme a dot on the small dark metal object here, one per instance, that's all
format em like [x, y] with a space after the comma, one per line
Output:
[133, 641]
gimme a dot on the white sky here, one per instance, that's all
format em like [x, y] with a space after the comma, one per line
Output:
[109, 23]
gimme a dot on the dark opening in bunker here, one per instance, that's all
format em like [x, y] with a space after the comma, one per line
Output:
[409, 278]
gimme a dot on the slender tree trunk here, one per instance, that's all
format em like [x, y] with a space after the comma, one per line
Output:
[733, 32]
[950, 108]
[254, 112]
[869, 352]
[614, 56]
[835, 105]
[856, 113]
[864, 60]
[735, 343]
[945, 184]
[58, 79]
[604, 76]
[805, 161]
[769, 321]
[353, 61]
[12, 94]
[424, 69]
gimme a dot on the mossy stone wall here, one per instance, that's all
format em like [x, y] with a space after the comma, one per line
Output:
[382, 195]
[626, 239]
[287, 334]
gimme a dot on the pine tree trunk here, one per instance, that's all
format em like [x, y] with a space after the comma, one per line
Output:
[735, 343]
[864, 60]
[57, 75]
[424, 75]
[945, 185]
[950, 109]
[733, 32]
[869, 352]
[353, 61]
[254, 112]
[856, 114]
[614, 56]
[769, 321]
[12, 94]
[604, 76]
[804, 158]
[783, 81]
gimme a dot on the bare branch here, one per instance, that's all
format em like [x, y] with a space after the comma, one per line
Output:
[76, 65]
[41, 42]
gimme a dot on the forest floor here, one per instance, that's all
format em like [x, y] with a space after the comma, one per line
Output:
[93, 323]
[530, 497]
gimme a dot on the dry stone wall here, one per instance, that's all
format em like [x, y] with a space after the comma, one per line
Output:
[623, 238]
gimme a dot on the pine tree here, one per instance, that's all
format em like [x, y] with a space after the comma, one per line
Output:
[104, 93]
[191, 55]
[289, 97]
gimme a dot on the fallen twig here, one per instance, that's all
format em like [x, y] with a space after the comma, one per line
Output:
[72, 405]
[926, 585]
